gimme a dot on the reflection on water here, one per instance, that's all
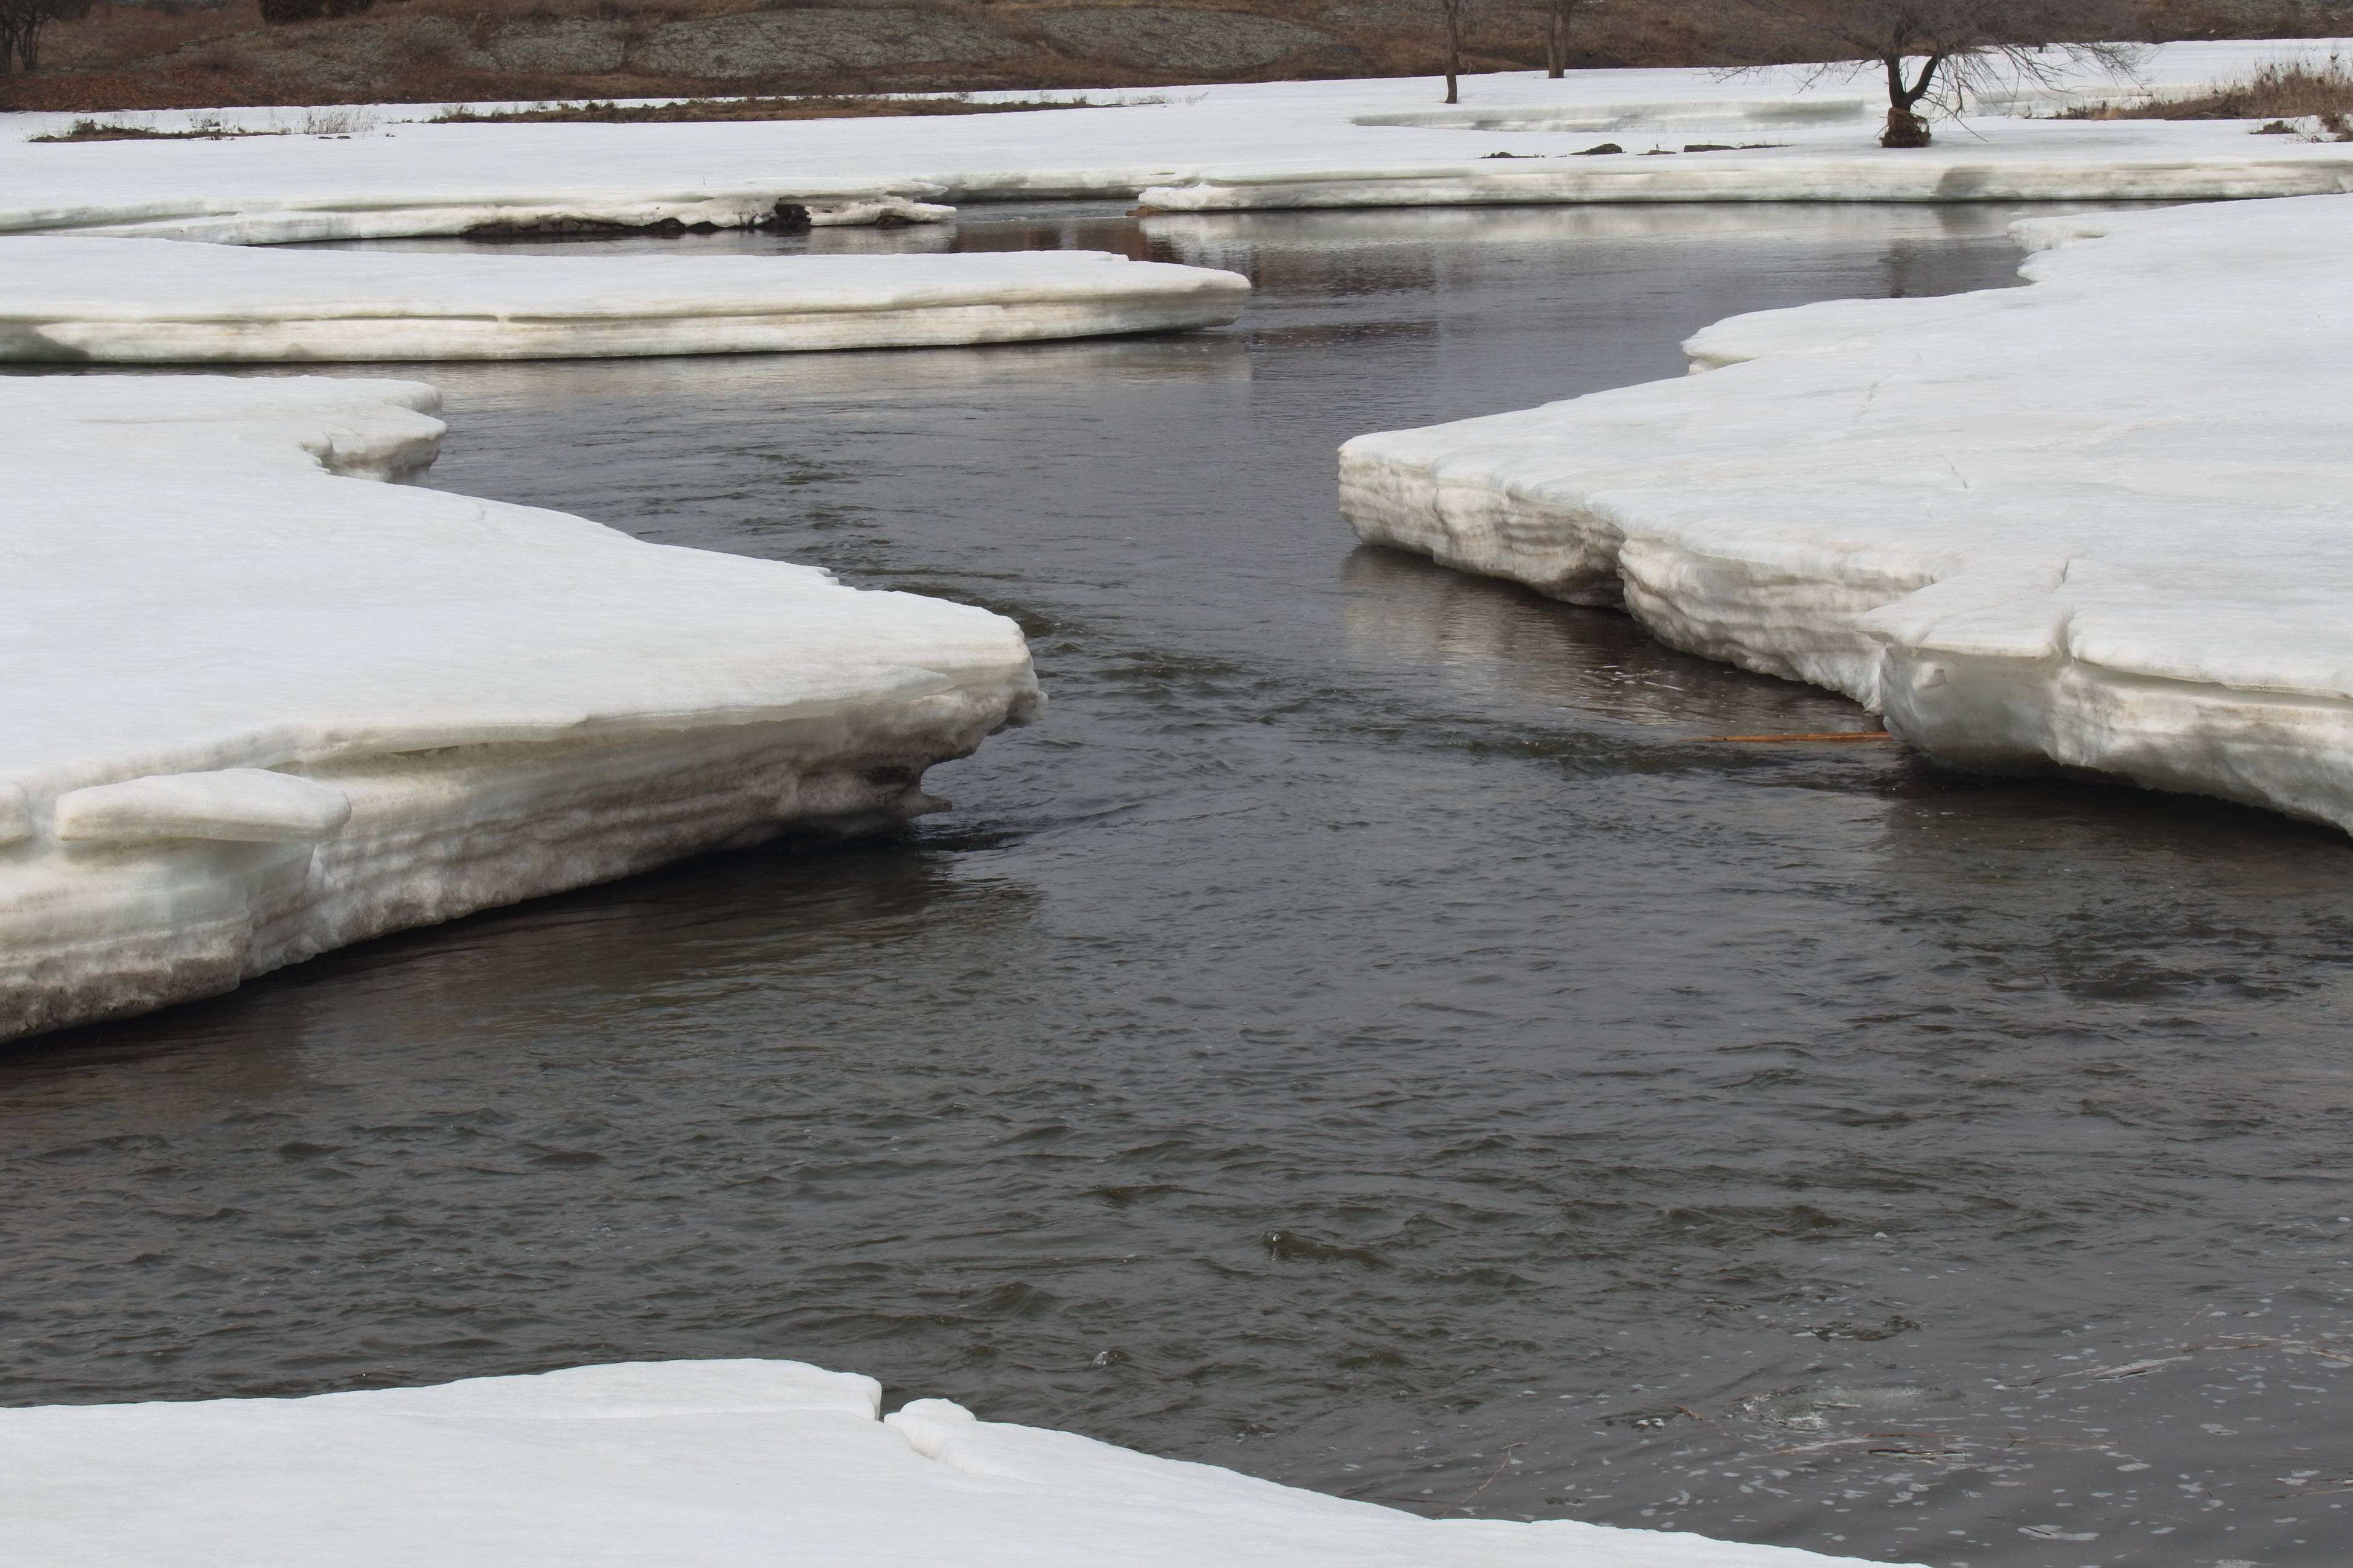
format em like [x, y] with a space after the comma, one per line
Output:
[1360, 1036]
[1482, 636]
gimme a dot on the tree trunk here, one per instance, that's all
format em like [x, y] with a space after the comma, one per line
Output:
[1556, 38]
[1450, 13]
[1904, 126]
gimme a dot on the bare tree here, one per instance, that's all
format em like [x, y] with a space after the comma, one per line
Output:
[1450, 13]
[1558, 15]
[21, 22]
[1947, 53]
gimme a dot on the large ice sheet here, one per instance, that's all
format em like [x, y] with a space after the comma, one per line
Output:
[719, 1464]
[1277, 143]
[162, 300]
[256, 708]
[2105, 521]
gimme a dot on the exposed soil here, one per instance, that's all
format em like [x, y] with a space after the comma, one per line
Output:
[203, 53]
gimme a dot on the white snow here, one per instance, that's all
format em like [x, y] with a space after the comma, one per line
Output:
[1278, 143]
[714, 1464]
[2104, 521]
[256, 708]
[164, 300]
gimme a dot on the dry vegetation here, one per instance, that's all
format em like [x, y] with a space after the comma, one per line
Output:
[114, 131]
[180, 54]
[2295, 89]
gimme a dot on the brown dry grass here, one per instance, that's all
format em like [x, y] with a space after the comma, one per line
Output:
[2289, 90]
[126, 56]
[106, 130]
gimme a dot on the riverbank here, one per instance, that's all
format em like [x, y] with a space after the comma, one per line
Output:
[401, 174]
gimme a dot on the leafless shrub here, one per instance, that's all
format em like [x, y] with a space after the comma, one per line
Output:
[22, 22]
[1946, 54]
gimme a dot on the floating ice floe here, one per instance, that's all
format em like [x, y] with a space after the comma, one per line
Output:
[1387, 141]
[719, 1464]
[2104, 521]
[258, 707]
[121, 300]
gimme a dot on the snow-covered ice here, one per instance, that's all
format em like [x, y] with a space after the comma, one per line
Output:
[1274, 143]
[2104, 521]
[1996, 160]
[162, 300]
[258, 707]
[712, 1464]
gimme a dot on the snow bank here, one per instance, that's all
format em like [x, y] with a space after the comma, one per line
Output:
[256, 708]
[720, 1464]
[1276, 143]
[2010, 161]
[151, 301]
[2105, 521]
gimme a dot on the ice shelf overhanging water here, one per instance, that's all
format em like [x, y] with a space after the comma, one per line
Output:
[259, 707]
[719, 1464]
[2104, 521]
[153, 301]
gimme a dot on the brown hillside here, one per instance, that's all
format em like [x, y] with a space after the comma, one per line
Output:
[183, 54]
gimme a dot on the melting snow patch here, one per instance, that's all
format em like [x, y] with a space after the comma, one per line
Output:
[734, 1464]
[2105, 521]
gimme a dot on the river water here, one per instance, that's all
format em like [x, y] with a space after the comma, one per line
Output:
[1362, 1036]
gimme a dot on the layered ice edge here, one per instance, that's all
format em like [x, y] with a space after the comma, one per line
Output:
[2103, 522]
[259, 708]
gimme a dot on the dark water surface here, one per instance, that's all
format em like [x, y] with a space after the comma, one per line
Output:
[1359, 1037]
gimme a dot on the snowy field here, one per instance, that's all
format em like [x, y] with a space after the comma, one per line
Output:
[259, 706]
[719, 1464]
[391, 173]
[2105, 521]
[158, 300]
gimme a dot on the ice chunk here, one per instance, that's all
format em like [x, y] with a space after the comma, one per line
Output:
[733, 1464]
[2105, 521]
[256, 709]
[152, 300]
[251, 806]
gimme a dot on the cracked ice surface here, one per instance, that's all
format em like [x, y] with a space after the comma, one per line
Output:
[2104, 521]
[1377, 143]
[259, 707]
[718, 1463]
[160, 301]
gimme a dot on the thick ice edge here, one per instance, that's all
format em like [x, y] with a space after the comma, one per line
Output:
[127, 300]
[258, 707]
[2105, 521]
[711, 1464]
[1380, 142]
